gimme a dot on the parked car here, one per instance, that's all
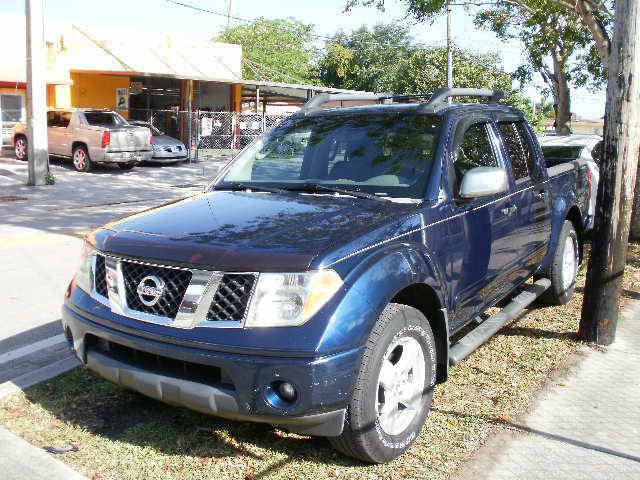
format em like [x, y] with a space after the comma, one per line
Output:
[585, 149]
[90, 137]
[318, 284]
[166, 149]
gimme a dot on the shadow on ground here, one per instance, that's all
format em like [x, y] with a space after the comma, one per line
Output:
[86, 401]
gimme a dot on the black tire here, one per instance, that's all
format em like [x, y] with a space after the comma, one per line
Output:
[364, 437]
[126, 166]
[20, 148]
[561, 289]
[81, 160]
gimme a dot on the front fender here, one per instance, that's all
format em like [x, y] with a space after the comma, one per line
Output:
[371, 286]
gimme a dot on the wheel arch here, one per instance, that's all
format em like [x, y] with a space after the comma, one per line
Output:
[425, 299]
[402, 274]
[575, 217]
[79, 143]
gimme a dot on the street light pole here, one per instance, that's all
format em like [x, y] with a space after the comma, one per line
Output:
[38, 151]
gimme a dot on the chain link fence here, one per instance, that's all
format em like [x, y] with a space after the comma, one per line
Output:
[205, 132]
[231, 130]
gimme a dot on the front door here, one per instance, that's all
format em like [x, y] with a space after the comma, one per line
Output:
[479, 232]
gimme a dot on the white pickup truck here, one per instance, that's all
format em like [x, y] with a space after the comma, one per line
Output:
[90, 137]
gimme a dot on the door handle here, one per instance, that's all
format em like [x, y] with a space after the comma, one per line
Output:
[508, 211]
[542, 194]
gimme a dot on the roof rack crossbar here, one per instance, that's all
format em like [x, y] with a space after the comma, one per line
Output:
[437, 98]
[441, 95]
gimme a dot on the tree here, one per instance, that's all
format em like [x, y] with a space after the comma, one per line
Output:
[275, 50]
[546, 28]
[366, 59]
[548, 32]
[387, 59]
[595, 15]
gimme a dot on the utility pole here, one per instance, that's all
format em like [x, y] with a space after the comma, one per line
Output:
[617, 180]
[38, 150]
[228, 13]
[449, 49]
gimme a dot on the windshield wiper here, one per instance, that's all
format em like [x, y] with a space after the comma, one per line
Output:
[315, 187]
[242, 186]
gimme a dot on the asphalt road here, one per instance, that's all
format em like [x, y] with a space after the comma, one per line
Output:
[41, 230]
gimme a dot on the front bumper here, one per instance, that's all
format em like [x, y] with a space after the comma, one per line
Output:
[245, 392]
[127, 157]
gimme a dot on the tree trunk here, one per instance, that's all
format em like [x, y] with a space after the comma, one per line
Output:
[562, 95]
[617, 180]
[634, 230]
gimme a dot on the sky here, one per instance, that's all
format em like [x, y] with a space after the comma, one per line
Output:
[327, 16]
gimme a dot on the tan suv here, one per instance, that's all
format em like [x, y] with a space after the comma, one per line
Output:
[89, 137]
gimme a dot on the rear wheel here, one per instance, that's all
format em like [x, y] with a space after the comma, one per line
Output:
[394, 388]
[126, 166]
[81, 160]
[564, 267]
[20, 148]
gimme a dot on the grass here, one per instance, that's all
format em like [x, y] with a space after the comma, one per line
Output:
[123, 435]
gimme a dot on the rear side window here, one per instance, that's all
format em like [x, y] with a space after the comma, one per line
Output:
[519, 149]
[104, 119]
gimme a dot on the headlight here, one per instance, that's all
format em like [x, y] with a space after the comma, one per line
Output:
[83, 275]
[289, 299]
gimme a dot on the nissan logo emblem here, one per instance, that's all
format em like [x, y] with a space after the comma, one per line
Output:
[150, 290]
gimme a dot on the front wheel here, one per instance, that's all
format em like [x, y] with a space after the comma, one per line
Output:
[564, 267]
[20, 148]
[394, 388]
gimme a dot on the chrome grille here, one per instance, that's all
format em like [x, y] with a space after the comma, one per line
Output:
[176, 282]
[100, 276]
[232, 297]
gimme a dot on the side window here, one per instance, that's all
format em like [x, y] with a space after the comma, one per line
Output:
[515, 146]
[474, 150]
[529, 156]
[65, 118]
[51, 119]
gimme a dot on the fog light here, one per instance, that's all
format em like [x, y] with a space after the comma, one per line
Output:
[286, 392]
[281, 394]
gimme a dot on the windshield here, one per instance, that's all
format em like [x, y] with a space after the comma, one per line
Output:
[387, 154]
[104, 119]
[561, 154]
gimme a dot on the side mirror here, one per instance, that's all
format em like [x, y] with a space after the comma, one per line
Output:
[483, 181]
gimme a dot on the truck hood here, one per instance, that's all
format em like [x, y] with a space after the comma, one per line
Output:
[243, 231]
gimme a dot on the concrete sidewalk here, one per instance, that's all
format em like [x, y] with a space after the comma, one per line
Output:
[585, 425]
[19, 460]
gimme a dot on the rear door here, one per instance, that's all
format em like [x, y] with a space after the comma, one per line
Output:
[56, 130]
[480, 230]
[532, 217]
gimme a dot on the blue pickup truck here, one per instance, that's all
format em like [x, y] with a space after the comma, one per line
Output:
[333, 271]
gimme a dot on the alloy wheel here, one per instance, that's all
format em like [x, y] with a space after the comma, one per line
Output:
[401, 385]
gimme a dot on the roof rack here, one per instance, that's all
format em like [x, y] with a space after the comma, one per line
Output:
[436, 100]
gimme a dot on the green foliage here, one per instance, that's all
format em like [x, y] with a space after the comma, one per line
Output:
[542, 26]
[276, 50]
[365, 59]
[547, 30]
[386, 59]
[49, 179]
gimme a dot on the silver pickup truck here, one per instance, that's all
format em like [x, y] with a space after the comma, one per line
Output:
[89, 137]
